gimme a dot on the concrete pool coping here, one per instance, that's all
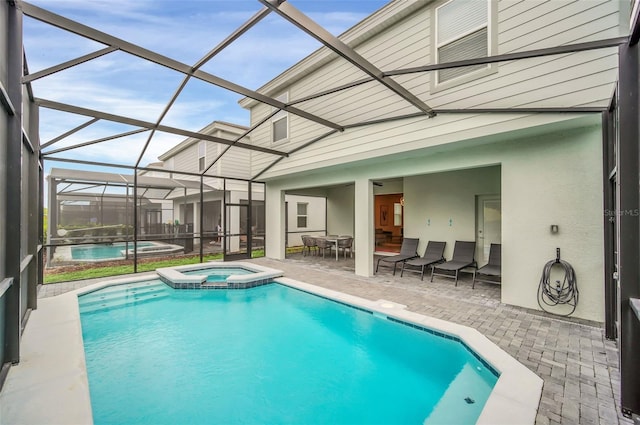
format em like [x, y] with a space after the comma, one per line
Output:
[174, 276]
[50, 384]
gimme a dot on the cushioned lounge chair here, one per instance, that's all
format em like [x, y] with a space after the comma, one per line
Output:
[492, 271]
[434, 254]
[408, 250]
[463, 256]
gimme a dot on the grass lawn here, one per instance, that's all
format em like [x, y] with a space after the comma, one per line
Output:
[116, 268]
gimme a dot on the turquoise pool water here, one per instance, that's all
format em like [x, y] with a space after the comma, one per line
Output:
[268, 355]
[218, 274]
[102, 252]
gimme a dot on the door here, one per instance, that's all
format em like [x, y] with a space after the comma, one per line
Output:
[488, 225]
[236, 243]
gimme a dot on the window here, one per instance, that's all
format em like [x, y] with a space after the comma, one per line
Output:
[461, 32]
[280, 122]
[201, 155]
[302, 214]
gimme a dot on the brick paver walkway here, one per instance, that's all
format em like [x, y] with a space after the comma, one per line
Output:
[578, 365]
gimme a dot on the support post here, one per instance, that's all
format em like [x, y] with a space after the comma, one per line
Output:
[12, 179]
[364, 227]
[201, 218]
[629, 228]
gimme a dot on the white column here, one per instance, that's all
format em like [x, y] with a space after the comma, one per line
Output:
[274, 223]
[364, 233]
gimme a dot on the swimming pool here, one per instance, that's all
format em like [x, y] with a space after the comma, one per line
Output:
[114, 251]
[103, 252]
[270, 354]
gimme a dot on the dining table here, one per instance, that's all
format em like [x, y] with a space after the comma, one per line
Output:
[334, 240]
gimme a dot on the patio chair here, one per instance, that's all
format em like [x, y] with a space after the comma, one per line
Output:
[463, 256]
[408, 250]
[492, 271]
[309, 244]
[434, 254]
[345, 243]
[323, 245]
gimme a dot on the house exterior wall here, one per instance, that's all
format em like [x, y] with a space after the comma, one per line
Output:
[340, 207]
[442, 206]
[316, 217]
[554, 177]
[579, 79]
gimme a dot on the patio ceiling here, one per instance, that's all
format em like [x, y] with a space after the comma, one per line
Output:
[287, 11]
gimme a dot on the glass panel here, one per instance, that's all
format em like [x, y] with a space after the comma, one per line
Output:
[397, 214]
[302, 208]
[472, 46]
[280, 129]
[302, 221]
[460, 16]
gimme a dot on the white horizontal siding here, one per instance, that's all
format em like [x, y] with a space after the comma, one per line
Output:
[413, 135]
[187, 159]
[578, 79]
[234, 163]
[556, 22]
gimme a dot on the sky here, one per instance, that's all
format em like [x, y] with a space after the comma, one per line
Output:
[186, 30]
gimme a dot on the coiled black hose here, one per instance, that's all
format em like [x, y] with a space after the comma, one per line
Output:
[558, 293]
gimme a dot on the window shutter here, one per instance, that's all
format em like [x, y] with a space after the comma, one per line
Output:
[280, 129]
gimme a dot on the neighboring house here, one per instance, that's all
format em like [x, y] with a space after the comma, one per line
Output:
[306, 214]
[503, 177]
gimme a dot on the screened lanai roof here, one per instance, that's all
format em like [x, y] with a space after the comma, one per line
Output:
[143, 129]
[83, 183]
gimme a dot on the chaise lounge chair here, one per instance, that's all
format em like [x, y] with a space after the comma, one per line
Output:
[463, 253]
[434, 254]
[408, 250]
[493, 268]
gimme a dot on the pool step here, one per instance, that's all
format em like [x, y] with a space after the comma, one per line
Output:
[122, 295]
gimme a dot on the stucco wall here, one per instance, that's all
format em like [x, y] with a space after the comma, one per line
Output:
[340, 207]
[556, 180]
[433, 200]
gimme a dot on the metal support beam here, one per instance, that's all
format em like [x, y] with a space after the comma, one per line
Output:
[6, 101]
[96, 141]
[299, 19]
[556, 50]
[12, 217]
[525, 110]
[243, 135]
[226, 42]
[145, 124]
[608, 219]
[201, 218]
[333, 90]
[135, 221]
[109, 40]
[634, 36]
[69, 133]
[68, 64]
[310, 142]
[628, 170]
